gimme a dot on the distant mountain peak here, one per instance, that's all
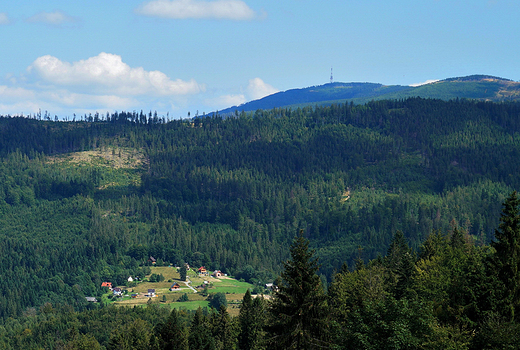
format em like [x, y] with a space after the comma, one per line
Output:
[477, 77]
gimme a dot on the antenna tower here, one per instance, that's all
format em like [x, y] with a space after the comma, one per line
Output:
[331, 80]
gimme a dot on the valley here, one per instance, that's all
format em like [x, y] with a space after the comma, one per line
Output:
[404, 196]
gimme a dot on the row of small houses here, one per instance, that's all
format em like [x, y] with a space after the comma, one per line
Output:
[217, 273]
[151, 292]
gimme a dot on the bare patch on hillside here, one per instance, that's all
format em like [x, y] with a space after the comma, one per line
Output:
[345, 196]
[117, 158]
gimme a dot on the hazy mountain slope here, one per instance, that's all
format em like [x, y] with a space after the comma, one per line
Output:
[317, 95]
[482, 87]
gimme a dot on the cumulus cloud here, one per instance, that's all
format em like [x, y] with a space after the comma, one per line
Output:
[258, 89]
[232, 100]
[55, 18]
[17, 100]
[255, 89]
[109, 74]
[100, 83]
[14, 95]
[4, 19]
[182, 9]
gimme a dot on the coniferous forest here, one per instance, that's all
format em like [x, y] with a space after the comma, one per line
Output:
[389, 225]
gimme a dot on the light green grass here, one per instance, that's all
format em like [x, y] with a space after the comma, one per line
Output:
[189, 305]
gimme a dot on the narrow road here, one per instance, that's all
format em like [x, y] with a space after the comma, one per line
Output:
[187, 283]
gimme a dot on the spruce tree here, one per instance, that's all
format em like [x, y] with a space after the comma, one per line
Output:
[224, 330]
[183, 271]
[507, 257]
[200, 332]
[173, 333]
[299, 309]
[251, 322]
[400, 262]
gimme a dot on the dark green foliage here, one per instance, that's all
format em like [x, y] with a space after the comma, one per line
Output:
[156, 277]
[183, 298]
[497, 333]
[223, 193]
[224, 330]
[452, 298]
[132, 336]
[507, 257]
[400, 262]
[299, 311]
[182, 272]
[388, 324]
[200, 336]
[173, 334]
[251, 320]
[217, 300]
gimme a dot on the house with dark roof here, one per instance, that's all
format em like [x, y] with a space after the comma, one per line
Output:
[175, 286]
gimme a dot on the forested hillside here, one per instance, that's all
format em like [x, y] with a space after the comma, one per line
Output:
[92, 199]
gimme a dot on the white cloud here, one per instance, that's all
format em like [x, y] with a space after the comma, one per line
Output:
[182, 9]
[55, 18]
[258, 89]
[425, 83]
[100, 83]
[17, 100]
[108, 73]
[16, 93]
[4, 19]
[255, 89]
[232, 100]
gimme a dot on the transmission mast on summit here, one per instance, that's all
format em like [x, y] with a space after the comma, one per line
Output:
[331, 80]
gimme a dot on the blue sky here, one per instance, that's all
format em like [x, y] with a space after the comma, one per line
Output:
[175, 56]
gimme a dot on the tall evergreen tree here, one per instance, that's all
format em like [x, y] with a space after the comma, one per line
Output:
[299, 309]
[224, 330]
[173, 334]
[507, 257]
[200, 332]
[400, 262]
[183, 272]
[251, 321]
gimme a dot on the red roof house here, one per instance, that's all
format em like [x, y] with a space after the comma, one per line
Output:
[175, 286]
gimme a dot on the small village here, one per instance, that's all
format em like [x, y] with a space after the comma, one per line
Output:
[196, 291]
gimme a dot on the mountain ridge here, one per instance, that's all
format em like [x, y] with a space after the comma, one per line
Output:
[481, 87]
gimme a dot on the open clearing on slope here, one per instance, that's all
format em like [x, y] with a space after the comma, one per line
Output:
[233, 289]
[117, 166]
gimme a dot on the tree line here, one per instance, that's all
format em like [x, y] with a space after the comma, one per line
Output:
[451, 294]
[228, 193]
